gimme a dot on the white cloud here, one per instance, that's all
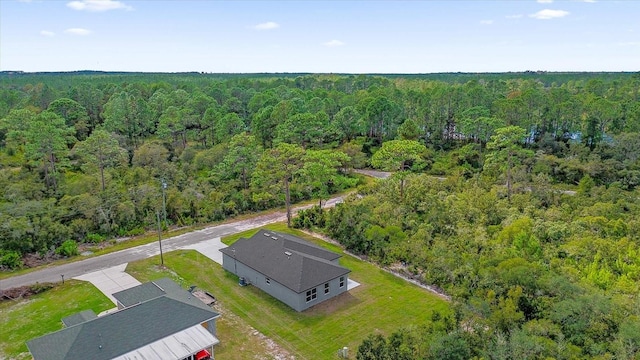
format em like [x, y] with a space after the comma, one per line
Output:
[516, 16]
[544, 1]
[629, 43]
[333, 43]
[270, 25]
[78, 31]
[486, 22]
[98, 5]
[47, 33]
[547, 14]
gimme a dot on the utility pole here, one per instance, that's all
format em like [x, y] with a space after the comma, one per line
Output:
[160, 238]
[164, 202]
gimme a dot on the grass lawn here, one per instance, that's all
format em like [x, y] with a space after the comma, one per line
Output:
[23, 320]
[382, 303]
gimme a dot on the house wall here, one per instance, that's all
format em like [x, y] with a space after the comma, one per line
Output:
[334, 290]
[296, 301]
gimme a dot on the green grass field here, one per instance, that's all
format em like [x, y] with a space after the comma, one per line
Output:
[41, 314]
[382, 303]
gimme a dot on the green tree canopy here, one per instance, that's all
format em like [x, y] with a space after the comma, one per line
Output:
[505, 151]
[47, 139]
[101, 149]
[276, 169]
[399, 155]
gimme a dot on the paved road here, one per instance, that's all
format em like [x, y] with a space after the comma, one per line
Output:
[77, 268]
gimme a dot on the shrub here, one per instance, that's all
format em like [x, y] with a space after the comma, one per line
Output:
[135, 231]
[310, 218]
[68, 248]
[94, 238]
[10, 259]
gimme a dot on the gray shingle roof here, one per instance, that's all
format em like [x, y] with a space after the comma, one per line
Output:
[79, 318]
[118, 333]
[138, 294]
[153, 289]
[292, 262]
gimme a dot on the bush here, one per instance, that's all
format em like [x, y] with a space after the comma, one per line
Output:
[136, 231]
[94, 238]
[310, 218]
[10, 259]
[68, 248]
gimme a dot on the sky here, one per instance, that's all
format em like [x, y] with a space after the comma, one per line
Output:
[330, 36]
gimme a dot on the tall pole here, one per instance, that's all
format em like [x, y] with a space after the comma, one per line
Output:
[164, 202]
[160, 238]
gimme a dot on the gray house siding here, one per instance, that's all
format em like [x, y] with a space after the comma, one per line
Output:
[334, 290]
[294, 300]
[211, 326]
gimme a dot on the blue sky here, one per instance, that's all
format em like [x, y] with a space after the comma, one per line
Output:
[320, 36]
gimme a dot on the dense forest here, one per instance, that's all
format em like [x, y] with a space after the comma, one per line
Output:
[513, 193]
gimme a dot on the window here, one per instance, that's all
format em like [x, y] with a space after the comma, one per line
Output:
[268, 281]
[326, 288]
[341, 281]
[312, 294]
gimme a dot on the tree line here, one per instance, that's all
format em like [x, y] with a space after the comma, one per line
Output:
[84, 155]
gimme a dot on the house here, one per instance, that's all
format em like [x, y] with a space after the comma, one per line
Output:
[157, 320]
[294, 271]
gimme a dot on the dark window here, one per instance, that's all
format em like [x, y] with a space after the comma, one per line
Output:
[326, 288]
[267, 280]
[341, 281]
[312, 294]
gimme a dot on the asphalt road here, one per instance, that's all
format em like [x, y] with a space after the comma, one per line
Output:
[77, 268]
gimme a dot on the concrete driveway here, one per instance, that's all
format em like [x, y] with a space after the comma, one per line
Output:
[110, 280]
[114, 279]
[209, 248]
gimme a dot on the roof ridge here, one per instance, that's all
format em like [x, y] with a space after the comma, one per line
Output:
[316, 258]
[299, 277]
[78, 331]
